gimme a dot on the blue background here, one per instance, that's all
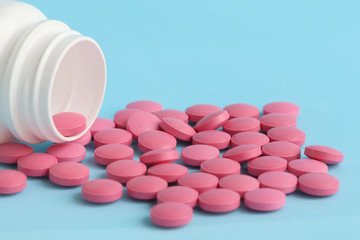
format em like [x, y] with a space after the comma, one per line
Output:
[182, 53]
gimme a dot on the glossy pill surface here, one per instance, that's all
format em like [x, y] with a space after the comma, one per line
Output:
[288, 134]
[171, 214]
[212, 121]
[199, 181]
[215, 138]
[197, 112]
[243, 153]
[273, 120]
[283, 181]
[299, 167]
[141, 122]
[11, 152]
[36, 164]
[239, 183]
[265, 199]
[122, 116]
[84, 139]
[172, 113]
[242, 110]
[69, 123]
[102, 190]
[263, 164]
[287, 150]
[12, 181]
[178, 128]
[112, 135]
[219, 200]
[282, 107]
[67, 152]
[159, 156]
[180, 194]
[324, 153]
[194, 155]
[152, 140]
[242, 124]
[109, 153]
[220, 167]
[145, 187]
[171, 172]
[101, 124]
[69, 174]
[244, 138]
[124, 170]
[319, 184]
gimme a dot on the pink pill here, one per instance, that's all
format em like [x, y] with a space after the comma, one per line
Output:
[273, 120]
[319, 184]
[109, 153]
[325, 154]
[124, 170]
[287, 150]
[112, 135]
[145, 187]
[144, 105]
[101, 124]
[288, 134]
[12, 181]
[141, 122]
[212, 121]
[283, 181]
[36, 164]
[242, 110]
[152, 140]
[239, 183]
[102, 190]
[282, 107]
[171, 172]
[215, 138]
[194, 155]
[171, 214]
[243, 153]
[178, 128]
[249, 138]
[84, 139]
[122, 116]
[220, 167]
[199, 181]
[69, 123]
[69, 174]
[172, 113]
[67, 152]
[159, 156]
[219, 200]
[242, 124]
[300, 167]
[265, 199]
[179, 194]
[11, 152]
[197, 112]
[266, 164]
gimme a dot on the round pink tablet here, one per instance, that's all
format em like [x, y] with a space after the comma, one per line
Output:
[212, 121]
[144, 105]
[249, 138]
[287, 150]
[263, 164]
[194, 155]
[152, 140]
[171, 214]
[102, 190]
[141, 122]
[159, 156]
[325, 154]
[288, 134]
[319, 184]
[282, 107]
[220, 167]
[84, 139]
[243, 153]
[67, 152]
[199, 181]
[36, 164]
[239, 183]
[219, 200]
[69, 123]
[272, 120]
[145, 187]
[112, 135]
[242, 124]
[12, 181]
[122, 116]
[197, 112]
[171, 172]
[178, 128]
[124, 170]
[101, 124]
[172, 113]
[109, 153]
[11, 152]
[180, 194]
[300, 167]
[242, 110]
[214, 138]
[265, 199]
[283, 181]
[69, 174]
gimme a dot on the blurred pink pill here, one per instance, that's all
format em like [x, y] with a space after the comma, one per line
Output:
[69, 174]
[199, 181]
[101, 124]
[159, 156]
[145, 187]
[171, 214]
[69, 123]
[323, 153]
[122, 116]
[212, 121]
[300, 167]
[263, 164]
[84, 139]
[243, 153]
[242, 110]
[171, 172]
[287, 150]
[288, 134]
[273, 120]
[215, 138]
[172, 113]
[281, 107]
[102, 190]
[178, 128]
[283, 181]
[265, 199]
[220, 167]
[36, 164]
[319, 184]
[239, 183]
[109, 153]
[179, 194]
[152, 140]
[219, 200]
[12, 181]
[124, 170]
[194, 155]
[197, 112]
[242, 124]
[244, 138]
[112, 135]
[145, 105]
[11, 152]
[141, 122]
[67, 152]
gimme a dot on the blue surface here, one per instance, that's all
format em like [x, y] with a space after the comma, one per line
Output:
[182, 53]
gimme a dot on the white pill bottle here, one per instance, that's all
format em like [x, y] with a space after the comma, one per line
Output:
[45, 68]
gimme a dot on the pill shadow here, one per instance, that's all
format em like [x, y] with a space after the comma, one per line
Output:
[8, 166]
[147, 223]
[78, 199]
[303, 195]
[45, 181]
